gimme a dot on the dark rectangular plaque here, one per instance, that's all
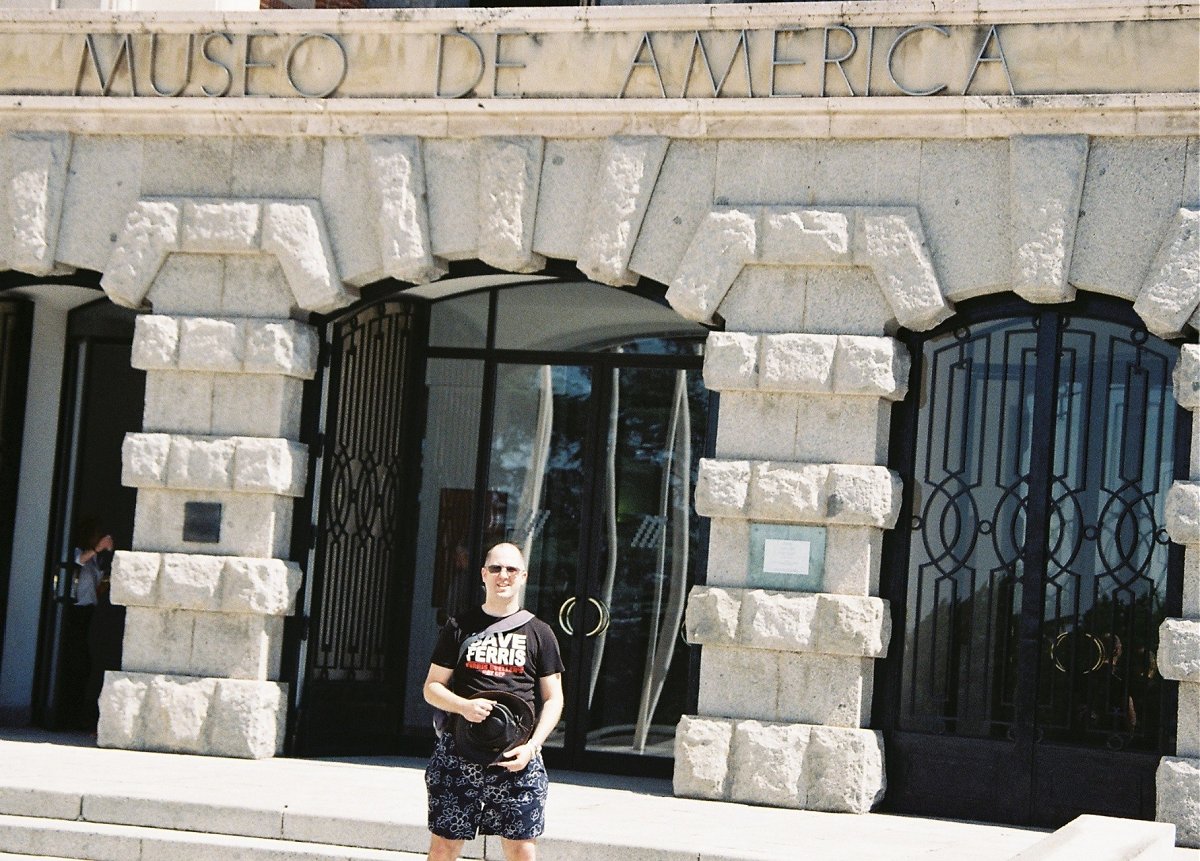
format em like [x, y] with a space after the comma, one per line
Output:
[202, 522]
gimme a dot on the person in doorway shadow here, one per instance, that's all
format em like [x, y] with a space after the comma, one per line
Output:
[93, 564]
[490, 669]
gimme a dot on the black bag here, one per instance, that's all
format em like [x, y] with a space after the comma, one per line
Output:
[442, 719]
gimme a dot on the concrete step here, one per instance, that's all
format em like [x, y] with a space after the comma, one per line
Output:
[36, 837]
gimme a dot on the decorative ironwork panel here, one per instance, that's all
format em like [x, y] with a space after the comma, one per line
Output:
[364, 483]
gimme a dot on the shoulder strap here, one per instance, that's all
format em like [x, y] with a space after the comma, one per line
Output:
[508, 623]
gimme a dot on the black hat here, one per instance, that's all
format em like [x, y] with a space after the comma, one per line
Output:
[509, 724]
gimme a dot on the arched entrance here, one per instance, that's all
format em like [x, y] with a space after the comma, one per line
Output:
[566, 416]
[1037, 444]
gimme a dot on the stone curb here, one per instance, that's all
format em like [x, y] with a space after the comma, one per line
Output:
[228, 345]
[219, 584]
[239, 464]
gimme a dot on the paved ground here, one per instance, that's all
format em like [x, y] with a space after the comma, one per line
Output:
[379, 803]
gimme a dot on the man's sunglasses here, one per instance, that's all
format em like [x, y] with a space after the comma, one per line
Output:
[507, 569]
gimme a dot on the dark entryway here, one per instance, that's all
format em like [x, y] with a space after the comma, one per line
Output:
[16, 332]
[1030, 571]
[566, 417]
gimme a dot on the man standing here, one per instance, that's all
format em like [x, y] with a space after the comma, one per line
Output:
[504, 659]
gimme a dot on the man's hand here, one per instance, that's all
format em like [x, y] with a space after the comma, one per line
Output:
[477, 710]
[517, 758]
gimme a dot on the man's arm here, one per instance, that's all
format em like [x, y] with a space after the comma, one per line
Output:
[552, 706]
[438, 694]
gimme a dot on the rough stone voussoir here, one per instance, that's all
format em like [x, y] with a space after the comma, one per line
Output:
[36, 189]
[866, 365]
[724, 243]
[863, 495]
[811, 237]
[731, 361]
[150, 233]
[722, 488]
[221, 226]
[509, 174]
[702, 746]
[398, 170]
[1178, 798]
[1179, 650]
[1171, 292]
[1182, 513]
[891, 241]
[1187, 377]
[712, 615]
[294, 231]
[797, 363]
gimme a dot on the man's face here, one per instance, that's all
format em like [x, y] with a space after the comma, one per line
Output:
[503, 572]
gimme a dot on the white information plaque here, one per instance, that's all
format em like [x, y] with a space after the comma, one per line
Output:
[786, 556]
[781, 556]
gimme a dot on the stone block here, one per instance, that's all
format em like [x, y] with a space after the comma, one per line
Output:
[849, 430]
[682, 198]
[790, 492]
[738, 682]
[248, 719]
[722, 488]
[190, 582]
[220, 226]
[730, 361]
[134, 577]
[852, 625]
[863, 495]
[200, 464]
[102, 186]
[207, 344]
[1178, 783]
[253, 285]
[702, 746]
[509, 172]
[294, 231]
[1182, 513]
[398, 171]
[797, 363]
[263, 405]
[844, 301]
[452, 185]
[190, 166]
[871, 366]
[257, 161]
[770, 299]
[270, 466]
[346, 181]
[1187, 736]
[121, 701]
[236, 646]
[256, 525]
[779, 621]
[757, 424]
[1179, 650]
[189, 284]
[267, 586]
[155, 342]
[844, 769]
[811, 237]
[852, 560]
[1187, 377]
[280, 347]
[728, 551]
[622, 192]
[144, 459]
[892, 243]
[570, 171]
[149, 234]
[156, 640]
[826, 690]
[1191, 582]
[767, 764]
[1171, 291]
[36, 188]
[179, 402]
[724, 242]
[712, 615]
[175, 713]
[1045, 186]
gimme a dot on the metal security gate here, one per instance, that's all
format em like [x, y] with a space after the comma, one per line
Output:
[1037, 446]
[362, 560]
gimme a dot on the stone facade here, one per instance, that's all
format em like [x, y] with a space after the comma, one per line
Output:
[812, 240]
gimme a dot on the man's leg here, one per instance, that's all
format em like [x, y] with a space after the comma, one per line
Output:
[519, 850]
[441, 849]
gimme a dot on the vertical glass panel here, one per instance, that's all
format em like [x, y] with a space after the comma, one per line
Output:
[1106, 576]
[460, 322]
[637, 684]
[455, 388]
[970, 494]
[537, 482]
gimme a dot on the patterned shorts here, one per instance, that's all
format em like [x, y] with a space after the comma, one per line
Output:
[465, 798]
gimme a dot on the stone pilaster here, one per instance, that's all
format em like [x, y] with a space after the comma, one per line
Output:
[217, 467]
[786, 676]
[1178, 777]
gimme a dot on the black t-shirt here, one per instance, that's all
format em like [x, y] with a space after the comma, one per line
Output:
[510, 661]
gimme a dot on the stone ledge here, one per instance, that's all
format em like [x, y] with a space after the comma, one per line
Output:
[798, 492]
[223, 584]
[1183, 512]
[1187, 377]
[184, 714]
[1179, 650]
[234, 463]
[1171, 292]
[163, 343]
[888, 240]
[847, 625]
[1099, 837]
[1178, 783]
[799, 766]
[844, 365]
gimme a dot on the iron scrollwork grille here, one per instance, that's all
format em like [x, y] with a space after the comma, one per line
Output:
[363, 487]
[1104, 585]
